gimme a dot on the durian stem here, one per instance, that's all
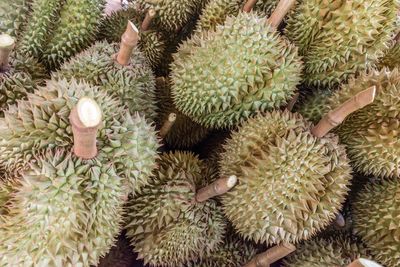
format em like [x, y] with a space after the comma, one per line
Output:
[7, 44]
[292, 102]
[129, 41]
[85, 119]
[147, 20]
[280, 12]
[339, 220]
[363, 263]
[248, 7]
[337, 116]
[168, 125]
[217, 188]
[271, 255]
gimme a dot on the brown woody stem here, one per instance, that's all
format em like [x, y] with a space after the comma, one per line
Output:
[219, 187]
[85, 119]
[339, 220]
[147, 20]
[363, 263]
[249, 5]
[271, 255]
[167, 125]
[7, 44]
[129, 41]
[337, 116]
[292, 102]
[280, 12]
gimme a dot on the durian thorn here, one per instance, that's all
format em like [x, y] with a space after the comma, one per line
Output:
[7, 44]
[271, 255]
[363, 263]
[280, 12]
[167, 125]
[292, 102]
[151, 13]
[85, 119]
[339, 220]
[337, 116]
[248, 7]
[217, 188]
[129, 41]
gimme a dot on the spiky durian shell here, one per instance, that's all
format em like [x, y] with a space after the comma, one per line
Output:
[392, 57]
[13, 14]
[185, 133]
[216, 12]
[133, 84]
[290, 183]
[42, 122]
[265, 7]
[340, 38]
[223, 77]
[313, 105]
[234, 252]
[371, 134]
[166, 226]
[330, 252]
[376, 220]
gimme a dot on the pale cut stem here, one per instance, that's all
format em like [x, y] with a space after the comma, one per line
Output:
[337, 116]
[147, 20]
[248, 7]
[7, 44]
[292, 102]
[85, 119]
[271, 255]
[217, 188]
[167, 125]
[339, 220]
[129, 41]
[280, 12]
[363, 263]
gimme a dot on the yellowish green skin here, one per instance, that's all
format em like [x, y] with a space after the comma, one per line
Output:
[392, 57]
[337, 39]
[290, 183]
[375, 213]
[13, 14]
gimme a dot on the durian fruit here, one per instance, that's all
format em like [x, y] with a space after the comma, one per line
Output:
[328, 252]
[391, 58]
[128, 76]
[222, 77]
[173, 221]
[13, 14]
[313, 104]
[151, 42]
[338, 39]
[376, 220]
[184, 133]
[371, 134]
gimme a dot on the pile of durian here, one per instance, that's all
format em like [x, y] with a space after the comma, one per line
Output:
[212, 133]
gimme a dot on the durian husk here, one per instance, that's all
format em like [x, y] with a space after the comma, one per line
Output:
[391, 59]
[13, 14]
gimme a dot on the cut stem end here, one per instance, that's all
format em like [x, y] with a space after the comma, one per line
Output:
[147, 20]
[129, 40]
[7, 44]
[248, 7]
[280, 12]
[168, 125]
[271, 255]
[217, 188]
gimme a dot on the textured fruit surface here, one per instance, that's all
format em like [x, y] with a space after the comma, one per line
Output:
[312, 106]
[392, 57]
[329, 252]
[133, 84]
[13, 14]
[167, 227]
[376, 213]
[340, 38]
[216, 12]
[223, 77]
[290, 183]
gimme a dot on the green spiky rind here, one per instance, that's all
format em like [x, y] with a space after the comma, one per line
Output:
[30, 65]
[166, 226]
[66, 212]
[294, 182]
[216, 12]
[42, 122]
[76, 30]
[339, 39]
[13, 15]
[313, 106]
[391, 58]
[153, 47]
[376, 211]
[133, 84]
[185, 133]
[171, 15]
[234, 252]
[42, 20]
[371, 134]
[223, 77]
[335, 251]
[265, 7]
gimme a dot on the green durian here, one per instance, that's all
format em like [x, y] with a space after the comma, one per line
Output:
[392, 57]
[184, 133]
[167, 227]
[151, 42]
[221, 78]
[337, 251]
[134, 84]
[312, 105]
[338, 39]
[371, 134]
[13, 14]
[376, 220]
[290, 183]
